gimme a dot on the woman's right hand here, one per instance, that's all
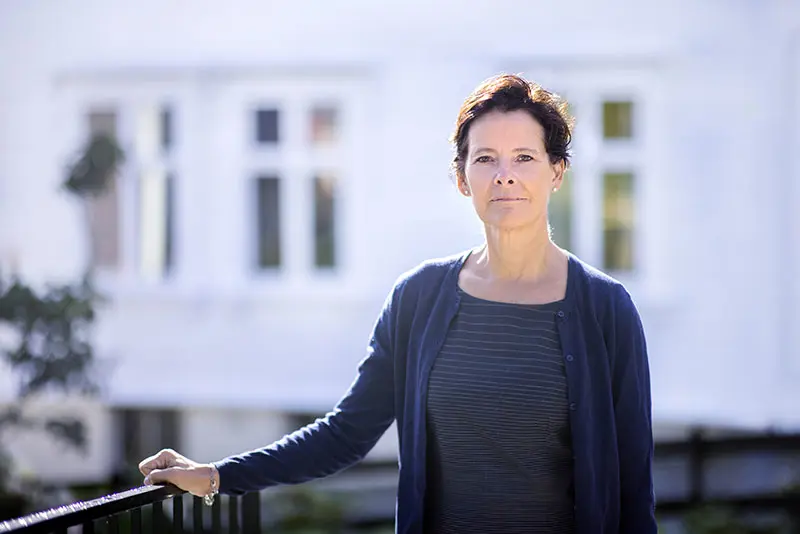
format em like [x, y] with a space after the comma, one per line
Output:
[170, 467]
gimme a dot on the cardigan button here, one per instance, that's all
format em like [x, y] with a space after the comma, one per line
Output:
[560, 314]
[572, 406]
[570, 357]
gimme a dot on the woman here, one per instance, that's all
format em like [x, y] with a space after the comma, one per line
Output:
[517, 374]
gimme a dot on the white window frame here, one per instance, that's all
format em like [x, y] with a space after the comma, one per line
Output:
[214, 164]
[81, 94]
[294, 162]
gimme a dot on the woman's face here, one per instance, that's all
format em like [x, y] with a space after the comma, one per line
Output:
[507, 172]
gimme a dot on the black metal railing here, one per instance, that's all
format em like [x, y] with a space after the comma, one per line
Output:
[169, 510]
[693, 460]
[142, 510]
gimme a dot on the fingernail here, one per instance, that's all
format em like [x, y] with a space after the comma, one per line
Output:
[147, 480]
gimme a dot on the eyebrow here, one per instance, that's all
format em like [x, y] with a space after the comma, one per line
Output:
[521, 149]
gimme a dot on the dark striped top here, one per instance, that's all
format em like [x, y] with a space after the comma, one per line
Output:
[499, 445]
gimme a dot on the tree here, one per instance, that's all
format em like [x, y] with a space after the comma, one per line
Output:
[49, 346]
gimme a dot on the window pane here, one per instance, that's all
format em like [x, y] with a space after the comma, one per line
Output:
[156, 220]
[267, 126]
[103, 122]
[103, 209]
[166, 128]
[324, 125]
[618, 221]
[617, 120]
[324, 221]
[269, 228]
[560, 213]
[155, 190]
[169, 226]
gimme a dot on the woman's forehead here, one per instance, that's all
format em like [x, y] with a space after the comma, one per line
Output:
[505, 129]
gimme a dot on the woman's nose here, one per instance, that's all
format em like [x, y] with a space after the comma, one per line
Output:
[503, 176]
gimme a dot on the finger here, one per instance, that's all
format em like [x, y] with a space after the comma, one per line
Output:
[148, 464]
[162, 460]
[170, 475]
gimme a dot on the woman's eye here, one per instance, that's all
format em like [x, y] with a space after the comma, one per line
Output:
[483, 159]
[524, 157]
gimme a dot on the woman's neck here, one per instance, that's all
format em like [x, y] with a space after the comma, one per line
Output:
[523, 254]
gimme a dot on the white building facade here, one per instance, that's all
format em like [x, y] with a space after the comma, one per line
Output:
[285, 164]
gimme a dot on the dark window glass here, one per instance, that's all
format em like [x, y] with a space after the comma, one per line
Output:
[324, 221]
[618, 221]
[267, 126]
[269, 227]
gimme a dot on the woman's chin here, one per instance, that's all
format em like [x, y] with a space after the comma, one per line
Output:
[510, 222]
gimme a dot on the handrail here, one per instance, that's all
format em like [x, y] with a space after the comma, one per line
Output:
[82, 512]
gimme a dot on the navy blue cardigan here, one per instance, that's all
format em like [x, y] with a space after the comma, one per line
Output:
[609, 397]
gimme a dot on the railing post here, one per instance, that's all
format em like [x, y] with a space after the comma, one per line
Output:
[251, 513]
[177, 514]
[158, 517]
[136, 521]
[197, 515]
[696, 464]
[216, 517]
[113, 524]
[233, 515]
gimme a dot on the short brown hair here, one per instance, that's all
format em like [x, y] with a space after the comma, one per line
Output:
[509, 92]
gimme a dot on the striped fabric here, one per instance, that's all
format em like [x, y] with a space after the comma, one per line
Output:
[499, 446]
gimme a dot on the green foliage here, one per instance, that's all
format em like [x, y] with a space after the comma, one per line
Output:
[718, 520]
[308, 511]
[53, 347]
[48, 348]
[51, 351]
[96, 166]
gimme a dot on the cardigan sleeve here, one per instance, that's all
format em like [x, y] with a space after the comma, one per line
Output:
[340, 439]
[633, 417]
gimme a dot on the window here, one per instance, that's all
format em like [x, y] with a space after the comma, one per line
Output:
[324, 133]
[268, 243]
[618, 221]
[155, 192]
[145, 192]
[618, 198]
[156, 223]
[324, 125]
[267, 126]
[103, 210]
[166, 129]
[303, 193]
[299, 140]
[617, 120]
[324, 221]
[103, 122]
[269, 221]
[560, 213]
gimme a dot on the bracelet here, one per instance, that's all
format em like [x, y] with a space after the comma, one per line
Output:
[208, 499]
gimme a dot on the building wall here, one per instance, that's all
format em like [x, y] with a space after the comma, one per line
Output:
[715, 196]
[38, 456]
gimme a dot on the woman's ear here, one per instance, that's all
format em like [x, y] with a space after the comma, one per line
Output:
[463, 186]
[558, 175]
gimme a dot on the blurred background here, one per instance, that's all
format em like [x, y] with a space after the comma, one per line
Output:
[204, 204]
